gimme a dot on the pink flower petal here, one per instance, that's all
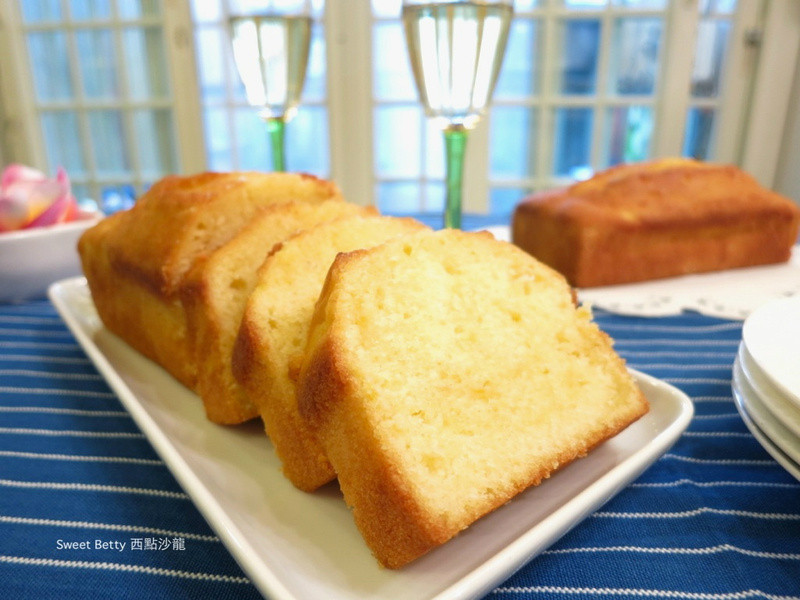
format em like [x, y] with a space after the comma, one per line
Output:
[16, 172]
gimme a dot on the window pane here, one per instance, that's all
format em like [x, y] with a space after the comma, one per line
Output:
[211, 57]
[512, 141]
[108, 143]
[36, 11]
[433, 155]
[641, 4]
[135, 9]
[145, 59]
[252, 142]
[307, 141]
[315, 87]
[573, 135]
[699, 130]
[636, 53]
[154, 142]
[712, 42]
[399, 198]
[502, 201]
[50, 64]
[62, 141]
[82, 10]
[207, 11]
[434, 197]
[585, 4]
[580, 41]
[717, 6]
[393, 80]
[386, 8]
[629, 132]
[398, 140]
[519, 75]
[97, 63]
[218, 139]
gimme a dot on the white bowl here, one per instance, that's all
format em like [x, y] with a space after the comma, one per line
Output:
[32, 259]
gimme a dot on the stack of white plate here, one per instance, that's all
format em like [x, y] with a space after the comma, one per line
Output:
[766, 379]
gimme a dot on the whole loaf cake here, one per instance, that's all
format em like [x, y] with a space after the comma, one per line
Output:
[652, 220]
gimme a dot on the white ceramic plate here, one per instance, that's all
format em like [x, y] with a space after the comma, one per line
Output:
[775, 402]
[743, 396]
[772, 337]
[32, 259]
[295, 545]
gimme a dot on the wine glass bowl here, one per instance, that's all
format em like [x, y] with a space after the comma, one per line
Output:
[456, 49]
[271, 46]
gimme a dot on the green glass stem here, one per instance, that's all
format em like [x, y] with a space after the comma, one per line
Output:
[455, 142]
[276, 128]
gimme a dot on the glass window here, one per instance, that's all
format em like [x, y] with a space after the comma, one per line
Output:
[106, 131]
[512, 143]
[573, 142]
[85, 10]
[519, 76]
[699, 127]
[49, 60]
[398, 139]
[146, 78]
[635, 62]
[580, 40]
[38, 11]
[97, 60]
[62, 140]
[628, 135]
[712, 43]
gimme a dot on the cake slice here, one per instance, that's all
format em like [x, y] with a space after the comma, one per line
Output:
[136, 262]
[274, 327]
[216, 289]
[445, 372]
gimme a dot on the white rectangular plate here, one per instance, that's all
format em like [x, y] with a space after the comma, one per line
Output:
[295, 545]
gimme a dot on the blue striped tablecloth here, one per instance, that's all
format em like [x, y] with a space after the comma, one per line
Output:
[714, 519]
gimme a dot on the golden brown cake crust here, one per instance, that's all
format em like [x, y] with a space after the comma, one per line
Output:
[215, 291]
[274, 328]
[135, 261]
[653, 220]
[372, 431]
[180, 217]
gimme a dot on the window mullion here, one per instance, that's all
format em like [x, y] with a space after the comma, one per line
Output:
[20, 129]
[677, 58]
[348, 35]
[81, 109]
[772, 90]
[602, 85]
[549, 57]
[184, 88]
[736, 91]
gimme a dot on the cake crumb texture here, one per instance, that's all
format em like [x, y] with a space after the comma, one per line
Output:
[274, 328]
[446, 372]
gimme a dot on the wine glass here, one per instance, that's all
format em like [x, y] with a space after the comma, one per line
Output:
[271, 42]
[456, 49]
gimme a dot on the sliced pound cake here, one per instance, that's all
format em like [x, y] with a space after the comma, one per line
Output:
[274, 328]
[216, 289]
[445, 373]
[136, 262]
